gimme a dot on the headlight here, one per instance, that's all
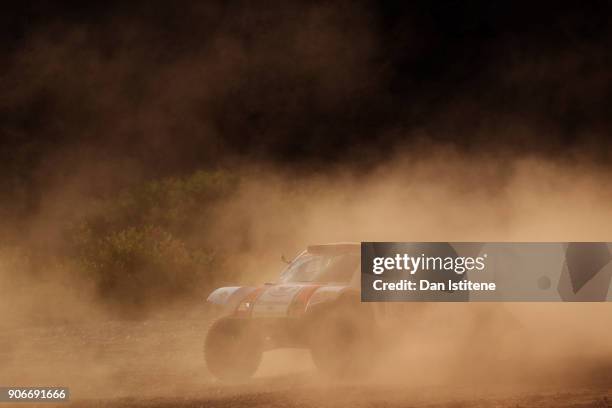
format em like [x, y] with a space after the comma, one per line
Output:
[244, 306]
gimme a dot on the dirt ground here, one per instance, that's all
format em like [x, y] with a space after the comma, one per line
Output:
[362, 396]
[158, 363]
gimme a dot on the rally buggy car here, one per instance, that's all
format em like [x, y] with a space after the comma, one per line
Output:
[315, 305]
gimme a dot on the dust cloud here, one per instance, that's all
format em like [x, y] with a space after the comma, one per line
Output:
[57, 330]
[446, 196]
[340, 123]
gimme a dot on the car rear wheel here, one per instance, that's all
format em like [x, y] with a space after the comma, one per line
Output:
[343, 343]
[232, 349]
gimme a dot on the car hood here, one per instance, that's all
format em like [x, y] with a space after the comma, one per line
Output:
[274, 300]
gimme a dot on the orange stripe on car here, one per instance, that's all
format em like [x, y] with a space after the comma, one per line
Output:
[298, 305]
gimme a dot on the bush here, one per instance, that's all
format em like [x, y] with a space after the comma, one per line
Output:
[138, 247]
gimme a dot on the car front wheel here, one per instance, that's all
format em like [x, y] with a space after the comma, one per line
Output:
[232, 349]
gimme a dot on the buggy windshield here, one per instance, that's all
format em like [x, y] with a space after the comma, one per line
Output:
[324, 268]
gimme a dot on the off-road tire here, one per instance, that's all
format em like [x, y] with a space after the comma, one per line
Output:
[344, 343]
[232, 349]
